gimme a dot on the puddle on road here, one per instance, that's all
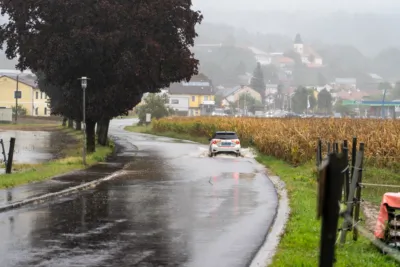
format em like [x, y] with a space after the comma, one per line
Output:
[203, 153]
[33, 147]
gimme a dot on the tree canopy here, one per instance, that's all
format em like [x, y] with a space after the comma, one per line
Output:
[257, 81]
[156, 105]
[247, 102]
[324, 101]
[125, 47]
[301, 98]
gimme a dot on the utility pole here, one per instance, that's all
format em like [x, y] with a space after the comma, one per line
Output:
[16, 95]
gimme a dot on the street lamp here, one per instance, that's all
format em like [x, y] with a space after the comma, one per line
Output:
[84, 81]
[383, 103]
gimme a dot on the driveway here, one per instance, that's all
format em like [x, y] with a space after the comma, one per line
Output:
[174, 206]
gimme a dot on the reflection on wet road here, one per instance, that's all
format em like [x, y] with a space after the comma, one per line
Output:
[176, 209]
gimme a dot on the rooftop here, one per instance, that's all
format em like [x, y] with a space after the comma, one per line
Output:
[198, 85]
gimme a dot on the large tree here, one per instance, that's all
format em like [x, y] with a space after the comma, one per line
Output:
[257, 82]
[156, 105]
[125, 47]
[324, 101]
[301, 98]
[247, 102]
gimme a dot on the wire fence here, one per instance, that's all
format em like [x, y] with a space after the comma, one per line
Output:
[341, 179]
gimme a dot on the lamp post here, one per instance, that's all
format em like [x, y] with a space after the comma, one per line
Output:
[84, 86]
[383, 103]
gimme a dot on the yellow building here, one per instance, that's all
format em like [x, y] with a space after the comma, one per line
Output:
[32, 99]
[193, 98]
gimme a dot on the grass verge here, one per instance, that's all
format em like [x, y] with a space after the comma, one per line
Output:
[69, 159]
[299, 245]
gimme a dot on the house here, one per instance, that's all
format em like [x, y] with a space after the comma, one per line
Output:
[328, 87]
[31, 98]
[232, 95]
[307, 54]
[345, 83]
[376, 77]
[193, 98]
[262, 57]
[271, 89]
[355, 95]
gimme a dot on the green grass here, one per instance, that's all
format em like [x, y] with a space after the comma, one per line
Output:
[71, 161]
[299, 245]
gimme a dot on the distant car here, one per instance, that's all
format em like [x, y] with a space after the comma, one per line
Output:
[224, 142]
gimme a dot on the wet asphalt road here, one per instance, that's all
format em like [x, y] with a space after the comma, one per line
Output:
[173, 207]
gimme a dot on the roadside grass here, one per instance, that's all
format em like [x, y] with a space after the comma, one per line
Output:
[70, 159]
[299, 245]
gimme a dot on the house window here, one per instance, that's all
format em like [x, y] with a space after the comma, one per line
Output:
[45, 111]
[193, 98]
[206, 98]
[41, 95]
[36, 109]
[37, 95]
[174, 101]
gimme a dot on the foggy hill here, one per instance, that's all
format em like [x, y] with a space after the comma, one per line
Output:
[369, 32]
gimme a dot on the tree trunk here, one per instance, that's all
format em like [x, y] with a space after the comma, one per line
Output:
[70, 123]
[90, 136]
[78, 125]
[102, 133]
[64, 122]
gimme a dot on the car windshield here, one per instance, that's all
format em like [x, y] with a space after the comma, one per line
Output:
[225, 136]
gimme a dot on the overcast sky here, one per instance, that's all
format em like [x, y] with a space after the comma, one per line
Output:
[303, 5]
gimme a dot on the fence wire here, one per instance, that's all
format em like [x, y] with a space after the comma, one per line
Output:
[392, 252]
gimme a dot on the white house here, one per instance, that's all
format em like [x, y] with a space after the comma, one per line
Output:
[232, 95]
[307, 53]
[328, 87]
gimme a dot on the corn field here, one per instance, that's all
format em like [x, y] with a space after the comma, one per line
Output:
[294, 140]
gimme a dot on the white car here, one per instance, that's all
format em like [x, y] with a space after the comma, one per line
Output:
[224, 142]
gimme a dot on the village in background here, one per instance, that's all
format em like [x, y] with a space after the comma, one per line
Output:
[294, 82]
[290, 83]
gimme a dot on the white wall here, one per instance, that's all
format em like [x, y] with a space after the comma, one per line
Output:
[5, 114]
[179, 102]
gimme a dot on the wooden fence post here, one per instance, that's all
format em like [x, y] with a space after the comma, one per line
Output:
[336, 147]
[3, 151]
[10, 156]
[319, 152]
[353, 155]
[346, 225]
[331, 185]
[359, 170]
[345, 149]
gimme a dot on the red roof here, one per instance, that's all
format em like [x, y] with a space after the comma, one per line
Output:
[353, 95]
[285, 60]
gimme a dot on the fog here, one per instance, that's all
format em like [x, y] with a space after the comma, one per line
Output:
[301, 5]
